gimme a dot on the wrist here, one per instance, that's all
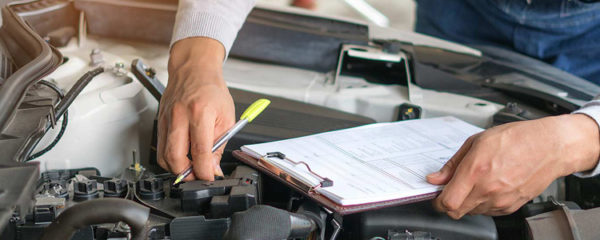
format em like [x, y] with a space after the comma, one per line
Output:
[198, 58]
[581, 141]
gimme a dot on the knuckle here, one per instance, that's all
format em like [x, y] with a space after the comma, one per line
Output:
[170, 156]
[501, 205]
[448, 205]
[196, 108]
[482, 168]
[198, 148]
[195, 147]
[485, 140]
[437, 205]
[176, 109]
[493, 189]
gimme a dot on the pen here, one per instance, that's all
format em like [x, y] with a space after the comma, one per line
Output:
[249, 114]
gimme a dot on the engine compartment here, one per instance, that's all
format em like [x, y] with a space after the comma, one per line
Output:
[105, 147]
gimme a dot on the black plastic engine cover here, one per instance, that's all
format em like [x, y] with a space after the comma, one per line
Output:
[418, 218]
[221, 198]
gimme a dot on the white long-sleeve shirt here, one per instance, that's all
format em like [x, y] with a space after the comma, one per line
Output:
[217, 19]
[222, 19]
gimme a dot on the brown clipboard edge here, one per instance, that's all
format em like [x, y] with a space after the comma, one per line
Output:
[324, 201]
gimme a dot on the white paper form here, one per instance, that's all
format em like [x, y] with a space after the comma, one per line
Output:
[373, 163]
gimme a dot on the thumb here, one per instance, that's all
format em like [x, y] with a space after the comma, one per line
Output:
[444, 175]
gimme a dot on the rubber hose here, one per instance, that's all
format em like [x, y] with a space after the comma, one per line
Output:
[109, 210]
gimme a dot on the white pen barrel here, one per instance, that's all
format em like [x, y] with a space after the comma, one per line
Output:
[229, 134]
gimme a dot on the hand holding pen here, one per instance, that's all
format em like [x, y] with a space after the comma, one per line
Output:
[249, 114]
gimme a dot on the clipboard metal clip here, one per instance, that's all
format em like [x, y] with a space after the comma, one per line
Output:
[325, 182]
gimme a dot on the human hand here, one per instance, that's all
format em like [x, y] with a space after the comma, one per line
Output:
[195, 110]
[496, 171]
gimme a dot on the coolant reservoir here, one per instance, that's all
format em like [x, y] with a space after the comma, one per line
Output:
[110, 122]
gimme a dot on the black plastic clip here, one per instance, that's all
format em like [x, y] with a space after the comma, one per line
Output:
[277, 155]
[326, 182]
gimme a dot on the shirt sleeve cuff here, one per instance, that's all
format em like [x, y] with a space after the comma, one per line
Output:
[592, 110]
[203, 24]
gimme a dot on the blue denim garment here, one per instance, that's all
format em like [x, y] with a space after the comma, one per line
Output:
[564, 33]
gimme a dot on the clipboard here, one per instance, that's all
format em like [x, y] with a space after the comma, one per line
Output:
[309, 191]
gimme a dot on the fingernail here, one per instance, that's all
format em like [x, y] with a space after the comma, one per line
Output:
[434, 175]
[219, 171]
[455, 215]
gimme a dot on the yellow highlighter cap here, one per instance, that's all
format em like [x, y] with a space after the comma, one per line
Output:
[255, 109]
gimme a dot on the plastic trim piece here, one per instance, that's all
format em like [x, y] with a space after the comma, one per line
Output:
[33, 57]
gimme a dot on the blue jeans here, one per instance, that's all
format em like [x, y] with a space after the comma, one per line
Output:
[564, 33]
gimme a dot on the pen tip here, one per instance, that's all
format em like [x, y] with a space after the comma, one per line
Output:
[178, 180]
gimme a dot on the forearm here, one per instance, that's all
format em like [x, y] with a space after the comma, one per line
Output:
[579, 132]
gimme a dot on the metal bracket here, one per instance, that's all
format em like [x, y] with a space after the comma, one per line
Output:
[337, 228]
[374, 53]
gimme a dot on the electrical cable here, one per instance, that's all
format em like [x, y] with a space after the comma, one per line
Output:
[65, 101]
[76, 89]
[63, 126]
[50, 146]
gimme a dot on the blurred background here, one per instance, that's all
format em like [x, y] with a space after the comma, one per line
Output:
[399, 14]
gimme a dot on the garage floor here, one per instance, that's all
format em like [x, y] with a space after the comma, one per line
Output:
[401, 13]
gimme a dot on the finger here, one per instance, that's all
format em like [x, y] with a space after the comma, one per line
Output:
[506, 203]
[224, 122]
[217, 160]
[442, 176]
[473, 200]
[482, 209]
[496, 202]
[509, 203]
[459, 186]
[506, 211]
[177, 141]
[202, 140]
[162, 128]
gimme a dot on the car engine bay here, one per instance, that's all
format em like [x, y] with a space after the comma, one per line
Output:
[79, 100]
